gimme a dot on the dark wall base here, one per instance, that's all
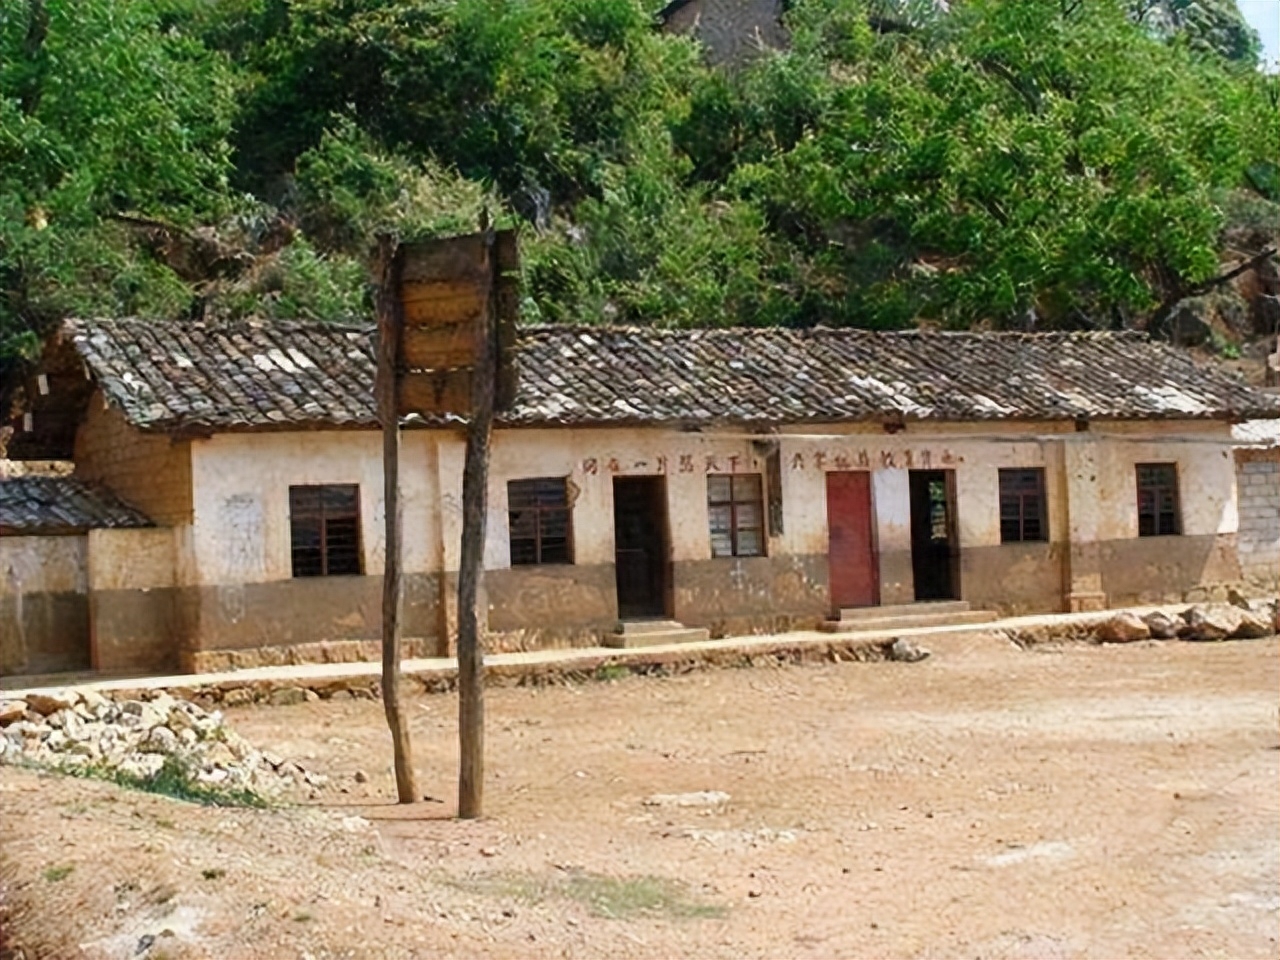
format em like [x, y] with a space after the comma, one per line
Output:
[752, 594]
[135, 630]
[1169, 569]
[44, 633]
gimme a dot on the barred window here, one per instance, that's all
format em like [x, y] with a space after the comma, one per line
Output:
[324, 524]
[538, 518]
[736, 511]
[1159, 513]
[1022, 506]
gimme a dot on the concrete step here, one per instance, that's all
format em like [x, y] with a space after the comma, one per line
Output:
[653, 633]
[647, 626]
[917, 621]
[904, 610]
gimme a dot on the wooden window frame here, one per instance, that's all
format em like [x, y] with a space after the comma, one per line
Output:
[324, 515]
[1154, 514]
[539, 511]
[734, 503]
[1012, 488]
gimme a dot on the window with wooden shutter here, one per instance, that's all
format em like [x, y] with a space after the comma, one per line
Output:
[735, 508]
[539, 521]
[324, 524]
[1022, 506]
[1159, 513]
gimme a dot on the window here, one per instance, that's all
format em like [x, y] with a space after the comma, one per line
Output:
[1158, 512]
[1022, 501]
[737, 515]
[538, 518]
[325, 526]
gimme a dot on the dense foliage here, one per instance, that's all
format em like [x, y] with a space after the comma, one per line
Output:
[1063, 162]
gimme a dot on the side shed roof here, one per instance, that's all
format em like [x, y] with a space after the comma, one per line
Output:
[31, 506]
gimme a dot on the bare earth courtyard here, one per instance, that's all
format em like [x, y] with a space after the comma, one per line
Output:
[988, 802]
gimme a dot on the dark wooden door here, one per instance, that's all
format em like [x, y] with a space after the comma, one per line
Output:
[640, 542]
[934, 546]
[851, 556]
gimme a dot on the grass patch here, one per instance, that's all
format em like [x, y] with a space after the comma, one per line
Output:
[213, 873]
[612, 671]
[175, 779]
[54, 874]
[615, 898]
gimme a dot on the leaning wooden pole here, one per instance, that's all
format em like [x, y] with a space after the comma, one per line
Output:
[388, 413]
[475, 484]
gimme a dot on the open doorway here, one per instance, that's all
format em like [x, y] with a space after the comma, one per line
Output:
[935, 550]
[641, 547]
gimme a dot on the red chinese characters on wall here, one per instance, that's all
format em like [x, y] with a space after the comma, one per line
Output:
[820, 460]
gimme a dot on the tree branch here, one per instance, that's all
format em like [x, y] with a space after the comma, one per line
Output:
[1165, 310]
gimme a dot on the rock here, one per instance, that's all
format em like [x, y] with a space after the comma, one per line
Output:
[11, 711]
[1208, 623]
[904, 651]
[1161, 625]
[1123, 627]
[1253, 625]
[237, 697]
[160, 740]
[91, 698]
[311, 696]
[700, 798]
[47, 703]
[1238, 599]
[288, 696]
[361, 777]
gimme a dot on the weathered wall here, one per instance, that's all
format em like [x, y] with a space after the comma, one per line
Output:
[1258, 483]
[44, 608]
[133, 600]
[240, 595]
[153, 473]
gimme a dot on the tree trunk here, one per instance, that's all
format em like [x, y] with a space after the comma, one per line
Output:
[388, 413]
[475, 489]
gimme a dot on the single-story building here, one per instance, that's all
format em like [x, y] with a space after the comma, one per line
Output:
[733, 480]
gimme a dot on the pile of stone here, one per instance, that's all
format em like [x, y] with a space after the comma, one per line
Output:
[1201, 622]
[82, 728]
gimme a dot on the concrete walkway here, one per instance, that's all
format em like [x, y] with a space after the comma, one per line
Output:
[438, 673]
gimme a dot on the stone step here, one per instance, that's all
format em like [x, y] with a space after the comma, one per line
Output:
[904, 610]
[654, 638]
[917, 621]
[655, 625]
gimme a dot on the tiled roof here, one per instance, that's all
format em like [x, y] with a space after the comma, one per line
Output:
[35, 505]
[168, 376]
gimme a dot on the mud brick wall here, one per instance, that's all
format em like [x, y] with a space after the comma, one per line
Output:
[44, 607]
[150, 472]
[1258, 481]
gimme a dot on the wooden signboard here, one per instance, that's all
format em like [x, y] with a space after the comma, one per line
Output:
[446, 289]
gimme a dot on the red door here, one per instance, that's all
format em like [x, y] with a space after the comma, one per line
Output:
[852, 554]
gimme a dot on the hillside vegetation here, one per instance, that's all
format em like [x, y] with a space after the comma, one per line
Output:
[1016, 163]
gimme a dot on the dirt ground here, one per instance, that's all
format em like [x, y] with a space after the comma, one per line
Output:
[1071, 801]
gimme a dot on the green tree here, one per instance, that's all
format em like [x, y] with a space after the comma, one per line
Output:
[105, 109]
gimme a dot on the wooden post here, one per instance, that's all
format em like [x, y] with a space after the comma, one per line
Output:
[388, 413]
[475, 489]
